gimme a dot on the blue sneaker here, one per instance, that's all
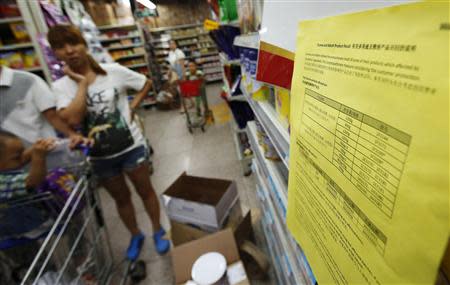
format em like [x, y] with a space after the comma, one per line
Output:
[162, 245]
[135, 246]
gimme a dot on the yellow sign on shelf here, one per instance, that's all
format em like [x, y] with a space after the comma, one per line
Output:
[369, 160]
[210, 25]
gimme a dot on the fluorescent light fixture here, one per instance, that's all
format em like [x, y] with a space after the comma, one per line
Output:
[147, 3]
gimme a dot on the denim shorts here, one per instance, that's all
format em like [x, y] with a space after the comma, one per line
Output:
[111, 167]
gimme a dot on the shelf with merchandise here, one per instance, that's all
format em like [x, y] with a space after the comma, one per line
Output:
[11, 20]
[16, 46]
[273, 127]
[270, 169]
[110, 48]
[137, 65]
[116, 26]
[276, 232]
[105, 39]
[242, 143]
[269, 177]
[129, 56]
[163, 29]
[32, 69]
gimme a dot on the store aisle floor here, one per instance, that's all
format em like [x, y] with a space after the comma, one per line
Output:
[209, 154]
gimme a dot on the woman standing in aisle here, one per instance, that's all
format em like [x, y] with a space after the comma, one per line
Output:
[176, 59]
[95, 96]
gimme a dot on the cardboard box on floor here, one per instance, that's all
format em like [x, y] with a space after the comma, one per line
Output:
[184, 256]
[203, 202]
[241, 227]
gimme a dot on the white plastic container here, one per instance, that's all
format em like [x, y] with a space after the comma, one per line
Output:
[210, 269]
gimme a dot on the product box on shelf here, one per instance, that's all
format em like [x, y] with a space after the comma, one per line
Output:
[101, 13]
[203, 202]
[223, 242]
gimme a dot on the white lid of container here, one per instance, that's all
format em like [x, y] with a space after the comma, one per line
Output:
[209, 268]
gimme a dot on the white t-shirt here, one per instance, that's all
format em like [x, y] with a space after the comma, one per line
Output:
[23, 98]
[108, 117]
[175, 56]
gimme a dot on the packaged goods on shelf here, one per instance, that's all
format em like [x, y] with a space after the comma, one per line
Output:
[101, 13]
[8, 10]
[19, 31]
[12, 59]
[282, 105]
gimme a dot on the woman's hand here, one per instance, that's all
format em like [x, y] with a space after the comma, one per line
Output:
[77, 139]
[78, 78]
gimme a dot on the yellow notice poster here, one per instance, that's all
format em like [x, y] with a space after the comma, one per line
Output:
[369, 161]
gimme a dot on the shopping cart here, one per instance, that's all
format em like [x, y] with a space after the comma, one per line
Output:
[64, 239]
[195, 117]
[68, 240]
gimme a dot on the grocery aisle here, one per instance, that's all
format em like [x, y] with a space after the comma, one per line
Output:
[209, 154]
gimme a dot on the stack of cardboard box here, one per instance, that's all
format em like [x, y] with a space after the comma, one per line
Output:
[199, 208]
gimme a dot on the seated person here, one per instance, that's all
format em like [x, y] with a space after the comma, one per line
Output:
[14, 180]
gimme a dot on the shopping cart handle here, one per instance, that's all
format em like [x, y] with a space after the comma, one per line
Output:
[84, 148]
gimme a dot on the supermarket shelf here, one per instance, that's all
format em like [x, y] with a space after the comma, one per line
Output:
[190, 44]
[174, 27]
[125, 46]
[212, 70]
[186, 37]
[111, 27]
[273, 255]
[119, 38]
[208, 54]
[16, 46]
[247, 41]
[10, 20]
[160, 40]
[279, 236]
[238, 148]
[177, 38]
[270, 169]
[29, 69]
[33, 69]
[137, 65]
[240, 98]
[277, 133]
[129, 56]
[225, 61]
[208, 60]
[276, 188]
[214, 79]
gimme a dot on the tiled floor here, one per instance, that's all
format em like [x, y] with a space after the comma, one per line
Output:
[209, 154]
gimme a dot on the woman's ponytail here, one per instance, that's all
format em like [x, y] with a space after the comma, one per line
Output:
[95, 66]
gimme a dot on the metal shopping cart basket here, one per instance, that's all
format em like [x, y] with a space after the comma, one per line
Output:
[57, 239]
[191, 90]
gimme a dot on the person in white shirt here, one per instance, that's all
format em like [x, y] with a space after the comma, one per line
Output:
[28, 108]
[176, 59]
[95, 95]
